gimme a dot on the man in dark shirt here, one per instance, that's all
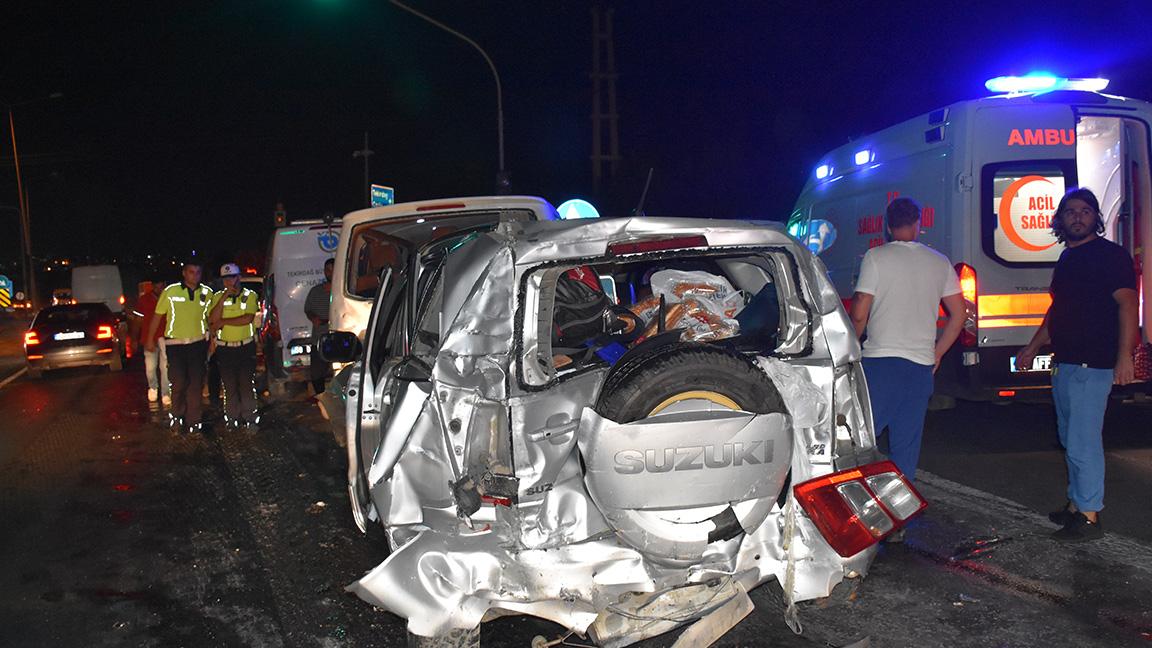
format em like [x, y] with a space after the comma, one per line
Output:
[1092, 326]
[316, 307]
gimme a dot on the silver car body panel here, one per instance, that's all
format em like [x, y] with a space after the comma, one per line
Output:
[492, 423]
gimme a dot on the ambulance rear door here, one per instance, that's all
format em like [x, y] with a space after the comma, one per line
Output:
[1026, 154]
[1024, 159]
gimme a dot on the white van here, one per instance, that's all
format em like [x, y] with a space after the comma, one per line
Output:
[98, 284]
[988, 174]
[295, 263]
[377, 244]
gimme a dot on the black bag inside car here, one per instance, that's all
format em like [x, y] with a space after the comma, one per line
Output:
[580, 309]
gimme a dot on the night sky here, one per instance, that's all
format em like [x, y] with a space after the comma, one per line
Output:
[182, 124]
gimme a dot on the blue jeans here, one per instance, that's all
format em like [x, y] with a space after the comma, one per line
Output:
[156, 368]
[899, 390]
[1081, 398]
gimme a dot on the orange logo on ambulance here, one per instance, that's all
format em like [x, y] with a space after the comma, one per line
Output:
[1035, 214]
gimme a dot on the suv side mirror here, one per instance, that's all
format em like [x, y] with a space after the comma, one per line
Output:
[340, 346]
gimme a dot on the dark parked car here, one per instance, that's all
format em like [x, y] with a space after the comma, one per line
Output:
[73, 335]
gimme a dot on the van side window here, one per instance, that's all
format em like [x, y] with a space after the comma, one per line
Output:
[375, 245]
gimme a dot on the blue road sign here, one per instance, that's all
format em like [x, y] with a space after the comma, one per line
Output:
[382, 195]
[5, 292]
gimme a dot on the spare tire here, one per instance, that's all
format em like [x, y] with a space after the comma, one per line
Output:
[687, 407]
[683, 372]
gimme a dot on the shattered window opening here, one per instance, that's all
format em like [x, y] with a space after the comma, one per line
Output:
[730, 298]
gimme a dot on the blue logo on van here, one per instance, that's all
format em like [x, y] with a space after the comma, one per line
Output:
[821, 235]
[328, 240]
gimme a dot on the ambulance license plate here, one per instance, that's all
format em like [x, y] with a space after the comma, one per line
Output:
[1039, 363]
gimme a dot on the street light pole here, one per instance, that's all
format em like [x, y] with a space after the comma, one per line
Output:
[25, 224]
[26, 243]
[365, 153]
[502, 180]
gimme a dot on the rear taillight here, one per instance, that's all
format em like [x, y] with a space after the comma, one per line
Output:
[970, 290]
[104, 332]
[121, 300]
[272, 324]
[854, 508]
[31, 338]
[657, 245]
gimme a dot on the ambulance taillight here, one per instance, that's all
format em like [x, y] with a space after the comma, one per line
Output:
[969, 289]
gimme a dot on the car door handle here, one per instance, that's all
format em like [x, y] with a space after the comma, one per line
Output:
[556, 430]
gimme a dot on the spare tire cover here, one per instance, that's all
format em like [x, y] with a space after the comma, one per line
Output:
[687, 447]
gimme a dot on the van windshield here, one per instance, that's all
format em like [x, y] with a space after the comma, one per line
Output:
[377, 245]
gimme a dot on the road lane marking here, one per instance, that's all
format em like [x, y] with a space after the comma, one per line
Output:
[23, 370]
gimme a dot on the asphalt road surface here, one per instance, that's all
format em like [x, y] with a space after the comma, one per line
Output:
[114, 532]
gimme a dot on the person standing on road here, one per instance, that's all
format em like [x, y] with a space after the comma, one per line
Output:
[897, 300]
[1092, 327]
[316, 307]
[156, 360]
[185, 306]
[231, 319]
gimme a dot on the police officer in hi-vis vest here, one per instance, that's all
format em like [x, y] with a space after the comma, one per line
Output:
[231, 318]
[186, 341]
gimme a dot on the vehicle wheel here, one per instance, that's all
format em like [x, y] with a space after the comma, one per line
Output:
[454, 639]
[117, 363]
[688, 372]
[36, 373]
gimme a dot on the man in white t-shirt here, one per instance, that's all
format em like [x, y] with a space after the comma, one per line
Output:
[898, 296]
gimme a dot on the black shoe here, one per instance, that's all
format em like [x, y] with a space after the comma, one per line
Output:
[1063, 516]
[1079, 529]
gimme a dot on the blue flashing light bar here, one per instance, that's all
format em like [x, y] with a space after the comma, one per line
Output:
[823, 171]
[1043, 82]
[862, 157]
[576, 209]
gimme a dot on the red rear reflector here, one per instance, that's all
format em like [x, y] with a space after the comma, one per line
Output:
[34, 357]
[104, 332]
[637, 247]
[1008, 393]
[30, 338]
[497, 501]
[103, 350]
[970, 290]
[439, 207]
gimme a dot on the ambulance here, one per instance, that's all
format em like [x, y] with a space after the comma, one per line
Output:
[988, 174]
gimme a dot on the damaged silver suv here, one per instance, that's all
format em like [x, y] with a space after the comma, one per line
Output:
[619, 425]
